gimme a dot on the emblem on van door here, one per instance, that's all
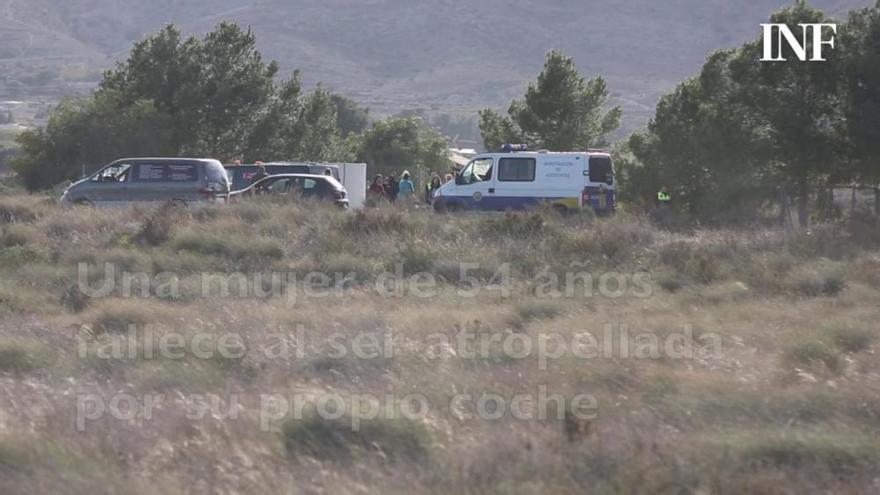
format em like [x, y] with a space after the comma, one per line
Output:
[478, 196]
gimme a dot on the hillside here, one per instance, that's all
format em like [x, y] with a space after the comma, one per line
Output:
[449, 55]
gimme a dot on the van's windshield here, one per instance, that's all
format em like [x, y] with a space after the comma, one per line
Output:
[113, 173]
[476, 171]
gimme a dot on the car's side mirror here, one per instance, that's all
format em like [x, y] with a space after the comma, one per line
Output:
[610, 180]
[459, 180]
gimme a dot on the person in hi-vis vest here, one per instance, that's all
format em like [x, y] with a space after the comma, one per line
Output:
[663, 197]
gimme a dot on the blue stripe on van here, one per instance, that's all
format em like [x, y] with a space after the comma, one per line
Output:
[501, 203]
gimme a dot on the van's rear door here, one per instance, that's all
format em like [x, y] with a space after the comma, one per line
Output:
[599, 186]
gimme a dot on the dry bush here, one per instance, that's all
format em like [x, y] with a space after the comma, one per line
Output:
[20, 356]
[613, 240]
[696, 262]
[119, 315]
[17, 235]
[394, 440]
[823, 241]
[840, 454]
[813, 353]
[158, 226]
[852, 339]
[234, 246]
[514, 225]
[377, 221]
[363, 269]
[532, 311]
[818, 279]
[16, 210]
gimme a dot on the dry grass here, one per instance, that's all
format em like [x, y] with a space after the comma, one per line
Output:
[788, 399]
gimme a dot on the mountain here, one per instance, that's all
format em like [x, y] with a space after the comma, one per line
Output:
[450, 56]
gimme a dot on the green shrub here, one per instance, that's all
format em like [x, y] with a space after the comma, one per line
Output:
[852, 339]
[22, 357]
[811, 353]
[415, 259]
[841, 455]
[17, 256]
[531, 311]
[235, 247]
[364, 270]
[75, 299]
[335, 439]
[825, 279]
[672, 282]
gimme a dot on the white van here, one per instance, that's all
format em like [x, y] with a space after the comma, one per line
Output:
[521, 179]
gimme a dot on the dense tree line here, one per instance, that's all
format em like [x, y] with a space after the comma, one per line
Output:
[213, 96]
[744, 133]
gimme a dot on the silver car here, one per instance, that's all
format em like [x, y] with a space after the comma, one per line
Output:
[152, 180]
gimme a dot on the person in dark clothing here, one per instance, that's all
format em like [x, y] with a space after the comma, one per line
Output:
[392, 188]
[261, 174]
[431, 188]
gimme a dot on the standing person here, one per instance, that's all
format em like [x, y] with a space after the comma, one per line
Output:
[377, 188]
[391, 188]
[449, 178]
[428, 195]
[432, 188]
[261, 173]
[406, 188]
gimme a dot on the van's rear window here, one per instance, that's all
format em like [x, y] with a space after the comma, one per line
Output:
[162, 172]
[600, 169]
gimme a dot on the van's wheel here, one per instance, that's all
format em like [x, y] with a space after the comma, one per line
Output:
[83, 203]
[561, 209]
[177, 203]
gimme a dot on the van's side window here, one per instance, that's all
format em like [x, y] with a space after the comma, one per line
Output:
[516, 170]
[161, 172]
[182, 173]
[600, 169]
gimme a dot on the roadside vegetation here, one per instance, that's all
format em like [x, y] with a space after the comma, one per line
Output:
[788, 400]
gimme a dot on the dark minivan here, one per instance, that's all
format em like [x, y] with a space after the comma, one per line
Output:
[152, 180]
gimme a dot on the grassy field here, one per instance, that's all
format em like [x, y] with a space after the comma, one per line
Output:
[202, 351]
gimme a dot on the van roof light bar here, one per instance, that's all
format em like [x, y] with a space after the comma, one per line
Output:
[513, 148]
